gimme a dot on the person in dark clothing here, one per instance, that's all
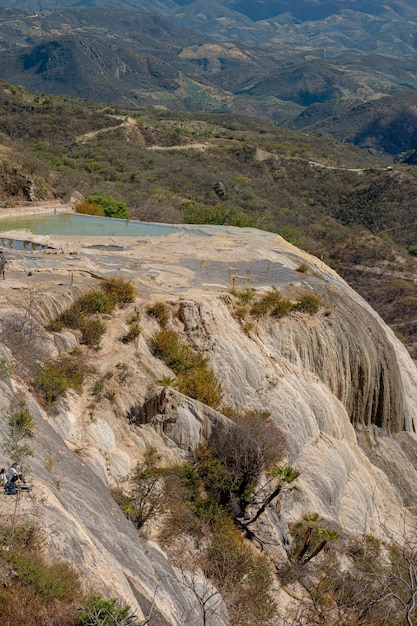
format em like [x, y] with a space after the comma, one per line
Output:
[2, 263]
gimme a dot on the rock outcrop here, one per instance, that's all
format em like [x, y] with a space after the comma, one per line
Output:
[338, 384]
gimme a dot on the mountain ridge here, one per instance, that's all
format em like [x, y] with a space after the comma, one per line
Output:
[196, 72]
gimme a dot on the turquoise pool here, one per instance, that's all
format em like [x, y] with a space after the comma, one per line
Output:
[91, 226]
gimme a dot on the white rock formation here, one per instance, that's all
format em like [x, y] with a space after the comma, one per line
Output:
[339, 384]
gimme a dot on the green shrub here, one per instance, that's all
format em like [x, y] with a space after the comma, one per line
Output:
[271, 303]
[132, 334]
[293, 235]
[195, 213]
[22, 422]
[113, 291]
[400, 336]
[261, 307]
[110, 395]
[100, 612]
[70, 317]
[302, 268]
[194, 376]
[55, 325]
[244, 296]
[201, 383]
[56, 581]
[309, 303]
[82, 314]
[167, 381]
[120, 290]
[98, 386]
[159, 311]
[167, 346]
[6, 368]
[109, 206]
[92, 329]
[95, 302]
[410, 302]
[54, 378]
[135, 317]
[281, 308]
[143, 502]
[242, 574]
[402, 285]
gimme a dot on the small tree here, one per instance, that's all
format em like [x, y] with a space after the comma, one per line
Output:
[21, 422]
[311, 538]
[251, 445]
[208, 597]
[21, 426]
[143, 502]
[280, 479]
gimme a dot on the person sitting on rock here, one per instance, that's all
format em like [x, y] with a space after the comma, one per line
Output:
[12, 477]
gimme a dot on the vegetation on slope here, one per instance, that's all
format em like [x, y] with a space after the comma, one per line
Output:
[332, 199]
[37, 589]
[206, 510]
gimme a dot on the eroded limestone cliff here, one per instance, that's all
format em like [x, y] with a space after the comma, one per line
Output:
[338, 384]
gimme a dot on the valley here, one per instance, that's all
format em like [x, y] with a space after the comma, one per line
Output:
[318, 74]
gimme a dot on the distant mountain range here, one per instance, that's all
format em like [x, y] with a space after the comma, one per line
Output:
[363, 24]
[345, 67]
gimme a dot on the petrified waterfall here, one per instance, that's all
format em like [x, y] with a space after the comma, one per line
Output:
[337, 382]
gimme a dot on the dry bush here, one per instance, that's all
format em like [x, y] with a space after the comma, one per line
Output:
[198, 526]
[37, 593]
[181, 494]
[19, 604]
[88, 208]
[25, 338]
[243, 576]
[260, 426]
